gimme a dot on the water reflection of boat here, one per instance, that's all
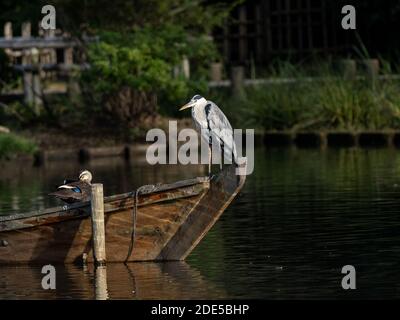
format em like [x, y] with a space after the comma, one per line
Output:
[169, 280]
[171, 219]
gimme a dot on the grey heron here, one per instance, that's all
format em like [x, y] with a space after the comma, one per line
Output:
[214, 128]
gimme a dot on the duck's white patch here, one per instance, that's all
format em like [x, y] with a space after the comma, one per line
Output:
[64, 186]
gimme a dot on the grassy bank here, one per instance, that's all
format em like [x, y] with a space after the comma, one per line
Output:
[328, 103]
[12, 145]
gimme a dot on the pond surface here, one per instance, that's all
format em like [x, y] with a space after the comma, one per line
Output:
[302, 215]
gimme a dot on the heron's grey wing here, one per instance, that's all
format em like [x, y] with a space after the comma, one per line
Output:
[221, 129]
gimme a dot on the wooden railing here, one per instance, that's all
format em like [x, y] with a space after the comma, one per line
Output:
[37, 59]
[368, 69]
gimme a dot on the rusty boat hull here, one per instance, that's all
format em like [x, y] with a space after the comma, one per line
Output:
[171, 219]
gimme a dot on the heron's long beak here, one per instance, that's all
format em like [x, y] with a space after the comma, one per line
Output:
[188, 105]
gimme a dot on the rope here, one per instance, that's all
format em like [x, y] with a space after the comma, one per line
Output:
[147, 188]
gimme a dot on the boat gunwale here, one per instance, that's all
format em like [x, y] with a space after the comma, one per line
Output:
[157, 188]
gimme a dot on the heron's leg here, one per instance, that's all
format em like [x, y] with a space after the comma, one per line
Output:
[222, 153]
[209, 155]
[209, 159]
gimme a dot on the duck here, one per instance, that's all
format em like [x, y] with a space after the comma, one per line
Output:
[78, 190]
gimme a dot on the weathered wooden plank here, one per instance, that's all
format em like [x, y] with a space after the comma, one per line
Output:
[19, 43]
[223, 190]
[110, 207]
[170, 221]
[84, 205]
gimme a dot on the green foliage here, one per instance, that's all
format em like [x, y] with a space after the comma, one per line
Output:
[144, 59]
[120, 15]
[328, 102]
[54, 112]
[11, 145]
[354, 105]
[141, 42]
[19, 11]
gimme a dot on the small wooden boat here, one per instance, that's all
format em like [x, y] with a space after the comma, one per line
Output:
[158, 222]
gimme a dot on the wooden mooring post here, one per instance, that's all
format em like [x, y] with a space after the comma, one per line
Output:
[98, 229]
[348, 68]
[371, 68]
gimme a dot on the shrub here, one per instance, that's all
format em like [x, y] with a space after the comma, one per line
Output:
[12, 145]
[144, 60]
[327, 102]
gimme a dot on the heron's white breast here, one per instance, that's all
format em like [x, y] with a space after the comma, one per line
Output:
[199, 117]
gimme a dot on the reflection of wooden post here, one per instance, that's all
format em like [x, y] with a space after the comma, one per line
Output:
[348, 68]
[372, 70]
[98, 230]
[101, 283]
[237, 80]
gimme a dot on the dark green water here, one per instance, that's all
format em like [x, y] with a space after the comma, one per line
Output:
[302, 216]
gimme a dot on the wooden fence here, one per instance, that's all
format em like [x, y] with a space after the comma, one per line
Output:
[259, 31]
[38, 58]
[349, 69]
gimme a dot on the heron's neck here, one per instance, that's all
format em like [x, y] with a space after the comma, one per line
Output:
[199, 113]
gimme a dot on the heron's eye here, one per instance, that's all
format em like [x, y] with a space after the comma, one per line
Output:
[76, 189]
